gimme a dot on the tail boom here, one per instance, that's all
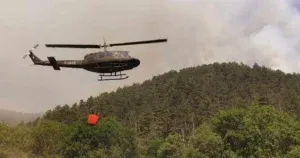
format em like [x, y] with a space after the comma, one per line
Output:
[57, 64]
[52, 61]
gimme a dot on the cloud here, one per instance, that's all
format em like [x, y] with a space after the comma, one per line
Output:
[199, 31]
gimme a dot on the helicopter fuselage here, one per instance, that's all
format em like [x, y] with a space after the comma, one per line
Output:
[99, 62]
[109, 62]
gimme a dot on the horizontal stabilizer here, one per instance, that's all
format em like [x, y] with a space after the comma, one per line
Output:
[53, 62]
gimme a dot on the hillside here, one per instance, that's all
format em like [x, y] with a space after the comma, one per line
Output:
[13, 117]
[214, 110]
[180, 101]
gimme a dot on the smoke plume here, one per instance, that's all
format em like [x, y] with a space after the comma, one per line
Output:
[198, 32]
[261, 31]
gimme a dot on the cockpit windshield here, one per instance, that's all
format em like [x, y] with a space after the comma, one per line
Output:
[124, 54]
[90, 54]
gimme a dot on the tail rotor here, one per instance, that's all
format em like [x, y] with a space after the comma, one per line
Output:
[30, 51]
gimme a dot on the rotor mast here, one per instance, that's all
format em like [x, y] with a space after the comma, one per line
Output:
[105, 45]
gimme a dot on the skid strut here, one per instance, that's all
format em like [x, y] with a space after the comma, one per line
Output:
[112, 76]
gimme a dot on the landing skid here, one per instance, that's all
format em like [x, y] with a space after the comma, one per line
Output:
[112, 76]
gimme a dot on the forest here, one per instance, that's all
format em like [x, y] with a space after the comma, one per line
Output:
[213, 110]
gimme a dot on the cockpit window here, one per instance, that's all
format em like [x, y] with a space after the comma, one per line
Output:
[118, 54]
[108, 54]
[101, 55]
[88, 55]
[124, 54]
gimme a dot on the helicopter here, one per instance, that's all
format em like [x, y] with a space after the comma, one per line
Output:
[109, 64]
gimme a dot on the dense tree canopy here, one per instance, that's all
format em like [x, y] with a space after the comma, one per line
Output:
[258, 131]
[179, 101]
[215, 110]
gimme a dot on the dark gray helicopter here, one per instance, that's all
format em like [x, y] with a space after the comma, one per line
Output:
[108, 63]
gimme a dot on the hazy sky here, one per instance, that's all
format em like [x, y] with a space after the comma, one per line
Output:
[198, 32]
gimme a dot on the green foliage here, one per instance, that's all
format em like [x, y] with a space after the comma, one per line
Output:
[172, 147]
[214, 110]
[260, 131]
[180, 101]
[21, 138]
[4, 132]
[294, 152]
[255, 131]
[206, 143]
[48, 137]
[15, 141]
[154, 147]
[105, 138]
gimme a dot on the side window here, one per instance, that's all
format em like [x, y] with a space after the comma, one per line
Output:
[116, 55]
[108, 54]
[101, 55]
[125, 54]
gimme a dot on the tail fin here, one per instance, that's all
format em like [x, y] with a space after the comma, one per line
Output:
[33, 57]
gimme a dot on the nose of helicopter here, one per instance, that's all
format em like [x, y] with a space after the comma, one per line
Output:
[135, 62]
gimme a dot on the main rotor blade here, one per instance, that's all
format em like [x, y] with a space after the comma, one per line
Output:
[139, 42]
[74, 45]
[100, 46]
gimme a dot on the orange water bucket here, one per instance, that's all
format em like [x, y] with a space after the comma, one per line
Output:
[93, 119]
